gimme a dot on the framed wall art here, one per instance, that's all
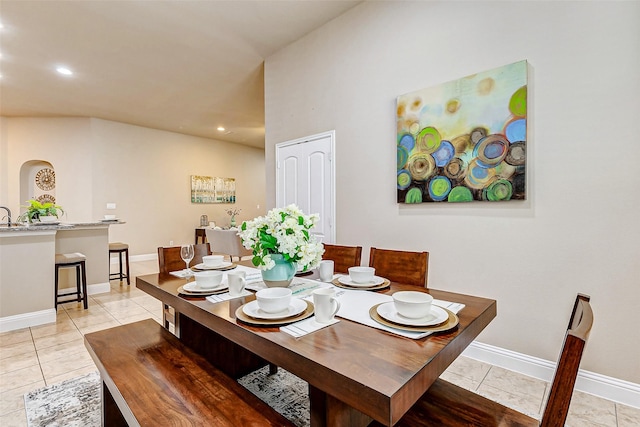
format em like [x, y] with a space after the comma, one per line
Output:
[464, 140]
[208, 189]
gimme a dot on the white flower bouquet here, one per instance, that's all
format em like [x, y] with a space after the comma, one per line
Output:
[282, 231]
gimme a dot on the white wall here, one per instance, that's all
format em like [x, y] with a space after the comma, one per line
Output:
[146, 172]
[578, 230]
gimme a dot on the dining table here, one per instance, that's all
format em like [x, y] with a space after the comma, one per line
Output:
[356, 373]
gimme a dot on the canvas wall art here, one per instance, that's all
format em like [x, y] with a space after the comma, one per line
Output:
[464, 140]
[209, 189]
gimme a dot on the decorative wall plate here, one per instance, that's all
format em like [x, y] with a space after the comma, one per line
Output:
[46, 198]
[46, 179]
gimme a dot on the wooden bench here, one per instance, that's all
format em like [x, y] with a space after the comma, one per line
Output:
[150, 378]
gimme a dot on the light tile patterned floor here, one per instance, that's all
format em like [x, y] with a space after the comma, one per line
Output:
[34, 357]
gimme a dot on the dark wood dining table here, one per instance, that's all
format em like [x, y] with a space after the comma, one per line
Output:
[355, 373]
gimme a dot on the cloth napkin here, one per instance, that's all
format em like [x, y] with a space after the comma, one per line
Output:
[183, 274]
[306, 326]
[225, 296]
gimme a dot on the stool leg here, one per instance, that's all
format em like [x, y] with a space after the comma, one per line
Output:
[78, 284]
[55, 295]
[120, 265]
[126, 254]
[84, 285]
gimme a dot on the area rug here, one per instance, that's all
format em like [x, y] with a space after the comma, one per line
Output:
[71, 403]
[76, 402]
[284, 392]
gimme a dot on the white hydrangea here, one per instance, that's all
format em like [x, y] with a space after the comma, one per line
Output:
[285, 231]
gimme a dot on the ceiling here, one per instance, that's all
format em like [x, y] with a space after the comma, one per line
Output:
[181, 66]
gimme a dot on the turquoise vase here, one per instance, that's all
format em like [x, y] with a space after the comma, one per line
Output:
[281, 274]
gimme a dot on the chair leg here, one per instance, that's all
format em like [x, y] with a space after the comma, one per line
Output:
[273, 369]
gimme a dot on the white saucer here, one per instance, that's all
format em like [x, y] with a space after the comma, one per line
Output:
[193, 287]
[224, 264]
[346, 280]
[388, 312]
[297, 306]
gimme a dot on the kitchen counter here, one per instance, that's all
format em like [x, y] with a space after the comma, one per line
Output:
[60, 226]
[27, 268]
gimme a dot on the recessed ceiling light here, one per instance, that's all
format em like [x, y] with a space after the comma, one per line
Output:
[64, 70]
[221, 129]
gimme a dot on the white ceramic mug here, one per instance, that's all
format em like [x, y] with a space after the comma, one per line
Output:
[237, 282]
[325, 304]
[326, 270]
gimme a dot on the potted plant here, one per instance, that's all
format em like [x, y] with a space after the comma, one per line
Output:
[281, 241]
[41, 212]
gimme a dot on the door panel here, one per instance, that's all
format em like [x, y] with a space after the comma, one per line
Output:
[305, 176]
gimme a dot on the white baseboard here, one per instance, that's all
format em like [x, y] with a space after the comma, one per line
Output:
[98, 288]
[609, 388]
[134, 258]
[25, 320]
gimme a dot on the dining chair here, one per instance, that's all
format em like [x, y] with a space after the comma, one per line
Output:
[169, 260]
[343, 257]
[227, 242]
[410, 268]
[446, 404]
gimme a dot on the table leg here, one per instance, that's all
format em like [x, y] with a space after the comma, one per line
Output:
[326, 410]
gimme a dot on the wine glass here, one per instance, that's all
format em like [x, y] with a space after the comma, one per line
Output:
[186, 253]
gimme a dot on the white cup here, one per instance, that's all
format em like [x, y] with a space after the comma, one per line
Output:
[208, 279]
[326, 270]
[237, 282]
[325, 304]
[273, 300]
[361, 274]
[412, 304]
[213, 260]
[109, 217]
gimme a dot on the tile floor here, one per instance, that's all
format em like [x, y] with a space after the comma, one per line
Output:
[31, 358]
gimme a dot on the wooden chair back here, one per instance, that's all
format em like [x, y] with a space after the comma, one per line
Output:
[564, 379]
[343, 257]
[406, 267]
[169, 258]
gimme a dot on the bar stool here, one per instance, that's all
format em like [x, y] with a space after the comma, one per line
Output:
[76, 260]
[120, 249]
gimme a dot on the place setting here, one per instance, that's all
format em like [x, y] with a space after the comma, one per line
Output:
[206, 283]
[214, 262]
[362, 278]
[413, 311]
[274, 307]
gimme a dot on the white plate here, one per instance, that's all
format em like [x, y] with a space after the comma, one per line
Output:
[193, 287]
[346, 280]
[388, 312]
[297, 306]
[224, 264]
